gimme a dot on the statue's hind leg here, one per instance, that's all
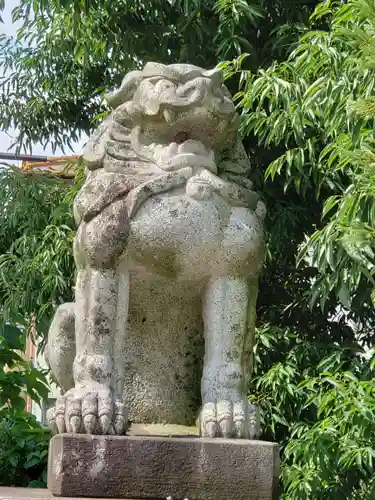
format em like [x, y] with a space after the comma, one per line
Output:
[93, 405]
[61, 348]
[229, 314]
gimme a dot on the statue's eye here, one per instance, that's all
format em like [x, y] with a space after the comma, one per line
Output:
[181, 137]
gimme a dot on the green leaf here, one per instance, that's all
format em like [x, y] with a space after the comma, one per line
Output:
[35, 460]
[13, 336]
[13, 459]
[344, 295]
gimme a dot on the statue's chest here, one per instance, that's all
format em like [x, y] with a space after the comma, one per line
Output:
[173, 231]
[177, 236]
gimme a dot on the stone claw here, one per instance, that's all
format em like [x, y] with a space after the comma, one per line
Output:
[60, 415]
[225, 418]
[229, 420]
[89, 424]
[254, 421]
[121, 418]
[208, 424]
[226, 427]
[238, 429]
[210, 429]
[75, 424]
[51, 420]
[88, 412]
[73, 413]
[105, 424]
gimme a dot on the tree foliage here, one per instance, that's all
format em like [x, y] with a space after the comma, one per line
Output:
[315, 111]
[23, 442]
[318, 401]
[36, 235]
[311, 116]
[36, 274]
[68, 53]
[23, 450]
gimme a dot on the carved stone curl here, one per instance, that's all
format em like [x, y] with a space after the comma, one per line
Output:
[168, 250]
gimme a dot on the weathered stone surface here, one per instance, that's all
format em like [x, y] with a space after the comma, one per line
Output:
[166, 430]
[168, 249]
[12, 493]
[160, 467]
[61, 350]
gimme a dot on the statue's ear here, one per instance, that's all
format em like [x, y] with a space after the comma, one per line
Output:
[126, 91]
[215, 74]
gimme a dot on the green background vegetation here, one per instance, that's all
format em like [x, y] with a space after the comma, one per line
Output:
[302, 73]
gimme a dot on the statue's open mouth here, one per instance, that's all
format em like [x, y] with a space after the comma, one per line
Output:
[170, 156]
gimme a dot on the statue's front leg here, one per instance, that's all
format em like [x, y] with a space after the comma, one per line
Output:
[94, 405]
[229, 314]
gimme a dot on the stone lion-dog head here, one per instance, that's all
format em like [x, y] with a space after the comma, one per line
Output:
[168, 114]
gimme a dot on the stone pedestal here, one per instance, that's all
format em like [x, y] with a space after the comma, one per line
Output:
[158, 467]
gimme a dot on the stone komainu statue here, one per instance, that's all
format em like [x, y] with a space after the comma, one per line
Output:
[168, 249]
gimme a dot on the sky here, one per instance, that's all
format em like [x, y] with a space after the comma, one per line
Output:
[5, 141]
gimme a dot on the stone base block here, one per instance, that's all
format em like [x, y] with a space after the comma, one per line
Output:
[148, 467]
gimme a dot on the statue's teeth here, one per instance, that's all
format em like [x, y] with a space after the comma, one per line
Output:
[168, 116]
[172, 149]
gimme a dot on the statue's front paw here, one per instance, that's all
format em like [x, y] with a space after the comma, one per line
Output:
[229, 420]
[199, 189]
[88, 412]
